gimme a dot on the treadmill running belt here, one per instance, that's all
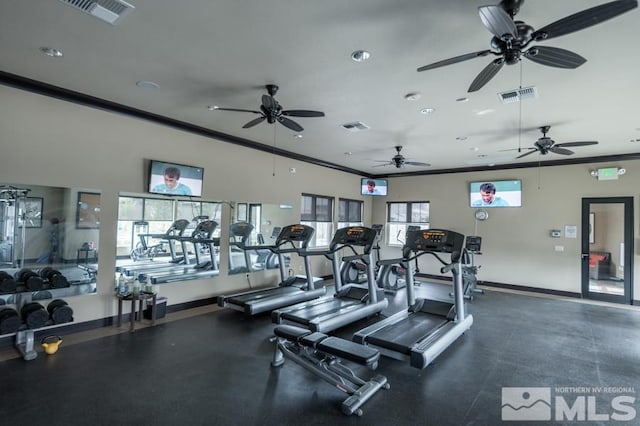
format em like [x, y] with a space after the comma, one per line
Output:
[242, 299]
[402, 335]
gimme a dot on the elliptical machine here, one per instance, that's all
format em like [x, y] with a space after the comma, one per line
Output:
[469, 269]
[355, 271]
[391, 273]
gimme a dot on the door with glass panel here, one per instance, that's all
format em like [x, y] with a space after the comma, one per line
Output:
[607, 249]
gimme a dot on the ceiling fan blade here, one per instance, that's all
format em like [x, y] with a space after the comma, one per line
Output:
[254, 122]
[554, 57]
[486, 74]
[584, 19]
[269, 102]
[417, 163]
[498, 22]
[559, 150]
[287, 122]
[581, 143]
[454, 60]
[302, 113]
[236, 109]
[527, 153]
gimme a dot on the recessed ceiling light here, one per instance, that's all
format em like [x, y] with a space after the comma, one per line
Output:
[427, 111]
[50, 51]
[474, 149]
[348, 153]
[414, 96]
[360, 55]
[462, 100]
[484, 112]
[212, 107]
[145, 84]
[297, 136]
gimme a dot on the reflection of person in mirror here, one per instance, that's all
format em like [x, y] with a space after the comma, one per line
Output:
[171, 183]
[488, 197]
[371, 187]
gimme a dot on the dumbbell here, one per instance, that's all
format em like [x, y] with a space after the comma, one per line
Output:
[31, 280]
[54, 277]
[9, 320]
[34, 315]
[7, 283]
[60, 311]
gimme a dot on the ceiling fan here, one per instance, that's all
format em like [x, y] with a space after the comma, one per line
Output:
[510, 38]
[545, 145]
[272, 111]
[400, 161]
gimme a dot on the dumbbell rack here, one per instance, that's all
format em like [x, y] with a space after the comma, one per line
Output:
[24, 342]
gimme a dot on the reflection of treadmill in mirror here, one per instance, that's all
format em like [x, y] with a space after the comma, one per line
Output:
[351, 302]
[427, 327]
[205, 265]
[289, 290]
[173, 234]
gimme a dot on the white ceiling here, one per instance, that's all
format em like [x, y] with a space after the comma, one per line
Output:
[203, 52]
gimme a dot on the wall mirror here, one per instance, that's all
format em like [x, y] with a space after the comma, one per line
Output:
[38, 235]
[167, 239]
[265, 222]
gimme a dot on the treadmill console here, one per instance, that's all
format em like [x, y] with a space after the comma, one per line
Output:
[433, 240]
[354, 236]
[297, 232]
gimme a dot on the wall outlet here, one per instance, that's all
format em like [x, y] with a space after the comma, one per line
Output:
[558, 248]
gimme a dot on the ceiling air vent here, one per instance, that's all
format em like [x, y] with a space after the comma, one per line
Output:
[517, 95]
[111, 11]
[356, 126]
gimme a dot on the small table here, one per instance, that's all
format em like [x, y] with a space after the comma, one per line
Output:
[87, 254]
[141, 298]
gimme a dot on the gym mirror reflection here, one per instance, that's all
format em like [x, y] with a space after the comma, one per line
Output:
[256, 224]
[45, 250]
[162, 240]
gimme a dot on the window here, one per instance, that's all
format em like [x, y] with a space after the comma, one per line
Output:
[317, 211]
[349, 212]
[402, 215]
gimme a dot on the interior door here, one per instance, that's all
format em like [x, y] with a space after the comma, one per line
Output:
[607, 249]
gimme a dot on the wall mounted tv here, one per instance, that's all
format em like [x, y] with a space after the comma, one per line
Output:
[373, 187]
[496, 193]
[175, 179]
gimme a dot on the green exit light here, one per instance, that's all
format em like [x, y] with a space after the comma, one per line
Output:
[608, 173]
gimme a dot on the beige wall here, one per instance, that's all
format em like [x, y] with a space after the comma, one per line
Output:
[50, 142]
[516, 245]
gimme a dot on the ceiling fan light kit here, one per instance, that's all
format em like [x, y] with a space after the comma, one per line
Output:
[511, 39]
[545, 145]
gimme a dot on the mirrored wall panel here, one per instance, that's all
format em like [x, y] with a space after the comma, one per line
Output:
[167, 239]
[49, 241]
[256, 224]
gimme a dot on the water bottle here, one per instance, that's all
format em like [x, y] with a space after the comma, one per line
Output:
[122, 284]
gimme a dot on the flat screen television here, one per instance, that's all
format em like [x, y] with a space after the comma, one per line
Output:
[175, 179]
[496, 193]
[375, 187]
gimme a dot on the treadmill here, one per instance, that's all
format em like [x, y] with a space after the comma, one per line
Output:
[350, 302]
[427, 327]
[290, 290]
[203, 243]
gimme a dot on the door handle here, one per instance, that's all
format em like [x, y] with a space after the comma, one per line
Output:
[584, 255]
